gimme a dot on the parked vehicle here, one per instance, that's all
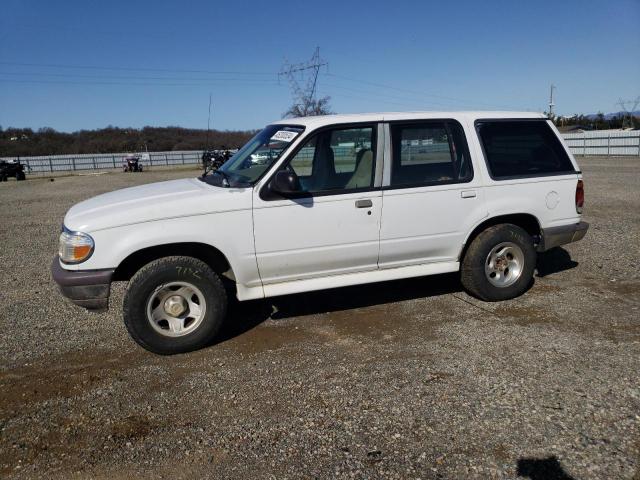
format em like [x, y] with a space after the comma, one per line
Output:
[11, 168]
[131, 163]
[214, 159]
[416, 194]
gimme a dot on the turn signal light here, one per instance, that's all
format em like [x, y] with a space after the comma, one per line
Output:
[75, 247]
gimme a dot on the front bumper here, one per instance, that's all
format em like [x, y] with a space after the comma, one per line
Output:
[556, 236]
[86, 288]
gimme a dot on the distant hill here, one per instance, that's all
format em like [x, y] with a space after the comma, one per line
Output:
[598, 121]
[610, 116]
[47, 141]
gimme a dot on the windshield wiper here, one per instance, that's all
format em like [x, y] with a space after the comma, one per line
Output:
[225, 177]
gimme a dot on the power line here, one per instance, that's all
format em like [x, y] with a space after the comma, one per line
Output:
[131, 77]
[300, 91]
[413, 105]
[391, 87]
[140, 84]
[406, 98]
[376, 95]
[376, 99]
[133, 69]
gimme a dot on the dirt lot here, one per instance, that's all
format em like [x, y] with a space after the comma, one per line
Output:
[407, 379]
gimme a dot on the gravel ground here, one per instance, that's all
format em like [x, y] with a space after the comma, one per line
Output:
[405, 379]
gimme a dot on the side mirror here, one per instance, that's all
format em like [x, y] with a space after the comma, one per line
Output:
[286, 183]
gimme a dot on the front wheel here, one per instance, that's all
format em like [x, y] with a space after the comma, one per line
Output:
[20, 176]
[499, 263]
[174, 305]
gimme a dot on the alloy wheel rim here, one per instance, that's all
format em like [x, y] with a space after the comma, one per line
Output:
[176, 309]
[504, 264]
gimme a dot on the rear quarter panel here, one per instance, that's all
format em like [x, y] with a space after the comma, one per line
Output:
[550, 199]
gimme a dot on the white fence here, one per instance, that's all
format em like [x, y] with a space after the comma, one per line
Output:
[104, 161]
[604, 142]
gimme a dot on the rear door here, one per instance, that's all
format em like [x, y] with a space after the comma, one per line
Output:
[431, 196]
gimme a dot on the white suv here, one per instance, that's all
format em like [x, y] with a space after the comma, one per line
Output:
[340, 200]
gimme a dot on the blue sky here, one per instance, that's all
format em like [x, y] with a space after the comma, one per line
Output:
[155, 62]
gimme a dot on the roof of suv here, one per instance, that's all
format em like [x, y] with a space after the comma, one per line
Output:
[322, 120]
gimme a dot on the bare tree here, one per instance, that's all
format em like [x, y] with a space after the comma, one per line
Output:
[309, 107]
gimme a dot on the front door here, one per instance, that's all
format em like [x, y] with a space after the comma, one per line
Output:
[333, 226]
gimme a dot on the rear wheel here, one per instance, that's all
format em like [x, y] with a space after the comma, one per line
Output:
[499, 263]
[174, 305]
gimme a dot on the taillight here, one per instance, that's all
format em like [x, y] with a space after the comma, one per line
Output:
[579, 196]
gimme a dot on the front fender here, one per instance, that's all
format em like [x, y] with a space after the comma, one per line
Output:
[229, 232]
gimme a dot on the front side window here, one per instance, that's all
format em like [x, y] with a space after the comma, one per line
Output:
[517, 148]
[336, 160]
[251, 161]
[429, 153]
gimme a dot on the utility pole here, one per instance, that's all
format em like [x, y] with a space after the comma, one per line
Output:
[208, 122]
[551, 104]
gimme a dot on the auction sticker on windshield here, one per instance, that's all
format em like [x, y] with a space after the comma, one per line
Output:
[284, 135]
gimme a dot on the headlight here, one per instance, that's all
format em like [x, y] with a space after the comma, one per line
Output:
[75, 247]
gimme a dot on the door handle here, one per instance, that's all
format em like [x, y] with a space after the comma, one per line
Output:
[468, 194]
[364, 203]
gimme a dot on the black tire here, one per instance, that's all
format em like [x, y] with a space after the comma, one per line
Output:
[472, 272]
[20, 176]
[3, 178]
[163, 271]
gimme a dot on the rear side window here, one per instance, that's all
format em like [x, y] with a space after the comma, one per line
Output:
[429, 153]
[522, 149]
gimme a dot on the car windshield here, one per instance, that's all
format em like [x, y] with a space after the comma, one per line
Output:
[251, 161]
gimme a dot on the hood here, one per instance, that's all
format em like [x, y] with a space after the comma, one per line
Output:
[155, 201]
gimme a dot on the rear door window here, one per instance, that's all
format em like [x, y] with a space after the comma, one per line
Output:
[522, 148]
[429, 153]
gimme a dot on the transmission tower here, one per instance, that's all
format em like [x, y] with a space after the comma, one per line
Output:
[303, 92]
[627, 119]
